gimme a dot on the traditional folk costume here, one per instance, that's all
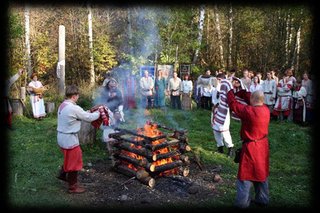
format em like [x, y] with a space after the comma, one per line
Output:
[255, 87]
[174, 87]
[247, 82]
[309, 99]
[146, 89]
[220, 117]
[299, 104]
[69, 124]
[129, 88]
[284, 98]
[205, 83]
[159, 95]
[240, 100]
[7, 105]
[254, 157]
[186, 90]
[112, 99]
[269, 89]
[36, 100]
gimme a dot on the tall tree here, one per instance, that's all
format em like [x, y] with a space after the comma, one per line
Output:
[92, 74]
[200, 32]
[27, 39]
[217, 21]
[230, 38]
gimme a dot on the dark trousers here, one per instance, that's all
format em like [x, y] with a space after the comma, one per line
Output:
[243, 197]
[147, 101]
[175, 102]
[206, 102]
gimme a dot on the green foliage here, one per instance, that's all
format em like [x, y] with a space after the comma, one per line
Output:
[104, 55]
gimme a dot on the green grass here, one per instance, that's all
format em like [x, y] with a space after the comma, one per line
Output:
[34, 158]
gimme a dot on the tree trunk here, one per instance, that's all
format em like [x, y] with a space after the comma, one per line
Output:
[298, 49]
[200, 33]
[27, 35]
[217, 20]
[87, 133]
[17, 107]
[129, 31]
[50, 107]
[92, 74]
[229, 64]
[61, 61]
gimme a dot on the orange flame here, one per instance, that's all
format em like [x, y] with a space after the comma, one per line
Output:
[151, 130]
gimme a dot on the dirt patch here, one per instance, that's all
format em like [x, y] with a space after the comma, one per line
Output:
[109, 189]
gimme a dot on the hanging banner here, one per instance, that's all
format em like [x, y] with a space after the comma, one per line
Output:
[184, 69]
[167, 70]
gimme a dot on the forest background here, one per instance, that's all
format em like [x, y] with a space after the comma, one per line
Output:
[214, 36]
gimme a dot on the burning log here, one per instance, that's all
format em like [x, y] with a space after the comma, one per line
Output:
[147, 180]
[141, 151]
[139, 135]
[136, 162]
[156, 157]
[125, 170]
[162, 145]
[167, 166]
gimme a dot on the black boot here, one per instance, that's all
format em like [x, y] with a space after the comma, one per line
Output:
[74, 186]
[230, 152]
[62, 175]
[220, 149]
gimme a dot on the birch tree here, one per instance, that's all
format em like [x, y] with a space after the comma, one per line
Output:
[217, 20]
[200, 32]
[27, 40]
[92, 74]
[229, 63]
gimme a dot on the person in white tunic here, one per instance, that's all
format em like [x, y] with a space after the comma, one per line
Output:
[186, 89]
[36, 97]
[307, 84]
[7, 105]
[146, 89]
[204, 85]
[220, 116]
[174, 87]
[299, 105]
[69, 123]
[269, 88]
[255, 85]
[283, 103]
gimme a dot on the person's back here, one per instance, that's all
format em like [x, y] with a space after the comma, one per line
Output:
[256, 120]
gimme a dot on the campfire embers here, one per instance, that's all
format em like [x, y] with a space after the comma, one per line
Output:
[149, 152]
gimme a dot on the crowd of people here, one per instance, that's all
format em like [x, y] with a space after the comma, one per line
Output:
[251, 99]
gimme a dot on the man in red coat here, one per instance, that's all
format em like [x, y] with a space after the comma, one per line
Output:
[254, 157]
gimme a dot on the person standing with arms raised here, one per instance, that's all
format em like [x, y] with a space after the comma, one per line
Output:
[254, 156]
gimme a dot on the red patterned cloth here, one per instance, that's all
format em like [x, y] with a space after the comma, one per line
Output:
[104, 116]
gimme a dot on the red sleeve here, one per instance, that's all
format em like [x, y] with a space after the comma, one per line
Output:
[243, 94]
[234, 105]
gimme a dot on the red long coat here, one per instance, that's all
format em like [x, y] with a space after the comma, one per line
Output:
[254, 158]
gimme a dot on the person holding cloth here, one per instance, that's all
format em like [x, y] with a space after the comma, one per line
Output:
[254, 156]
[36, 89]
[7, 105]
[69, 123]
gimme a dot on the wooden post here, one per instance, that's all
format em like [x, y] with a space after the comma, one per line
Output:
[50, 107]
[17, 107]
[23, 93]
[61, 61]
[87, 133]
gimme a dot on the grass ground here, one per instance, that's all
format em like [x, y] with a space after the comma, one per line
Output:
[33, 158]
